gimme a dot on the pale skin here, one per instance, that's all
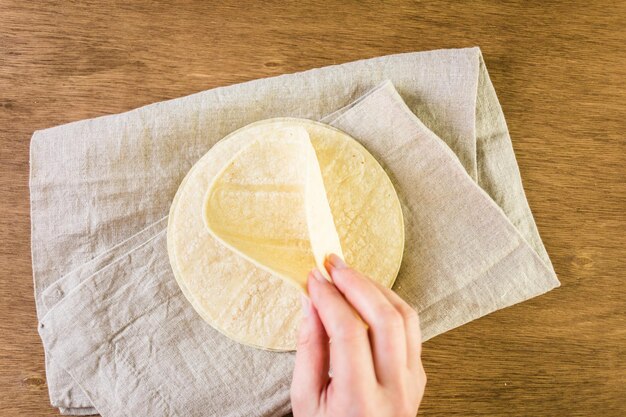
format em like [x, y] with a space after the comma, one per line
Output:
[375, 359]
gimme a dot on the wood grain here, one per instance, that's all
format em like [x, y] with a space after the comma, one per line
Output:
[560, 74]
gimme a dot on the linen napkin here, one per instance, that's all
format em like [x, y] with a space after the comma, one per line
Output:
[119, 336]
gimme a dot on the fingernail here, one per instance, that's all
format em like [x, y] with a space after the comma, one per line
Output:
[336, 262]
[306, 305]
[318, 275]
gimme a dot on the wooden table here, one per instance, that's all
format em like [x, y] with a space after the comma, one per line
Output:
[560, 74]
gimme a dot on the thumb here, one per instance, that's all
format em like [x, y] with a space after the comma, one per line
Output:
[310, 375]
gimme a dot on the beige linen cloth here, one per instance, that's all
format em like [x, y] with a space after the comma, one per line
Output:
[119, 336]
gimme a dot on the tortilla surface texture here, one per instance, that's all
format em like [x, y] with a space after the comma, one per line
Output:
[262, 208]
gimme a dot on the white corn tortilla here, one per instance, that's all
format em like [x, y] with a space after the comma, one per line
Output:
[224, 282]
[269, 205]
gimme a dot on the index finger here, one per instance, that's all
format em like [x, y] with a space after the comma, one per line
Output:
[387, 331]
[350, 352]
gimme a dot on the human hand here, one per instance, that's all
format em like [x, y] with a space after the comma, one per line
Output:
[376, 371]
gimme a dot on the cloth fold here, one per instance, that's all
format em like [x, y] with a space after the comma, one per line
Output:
[120, 338]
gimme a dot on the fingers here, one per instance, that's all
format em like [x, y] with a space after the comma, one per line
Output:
[350, 350]
[387, 327]
[310, 374]
[411, 326]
